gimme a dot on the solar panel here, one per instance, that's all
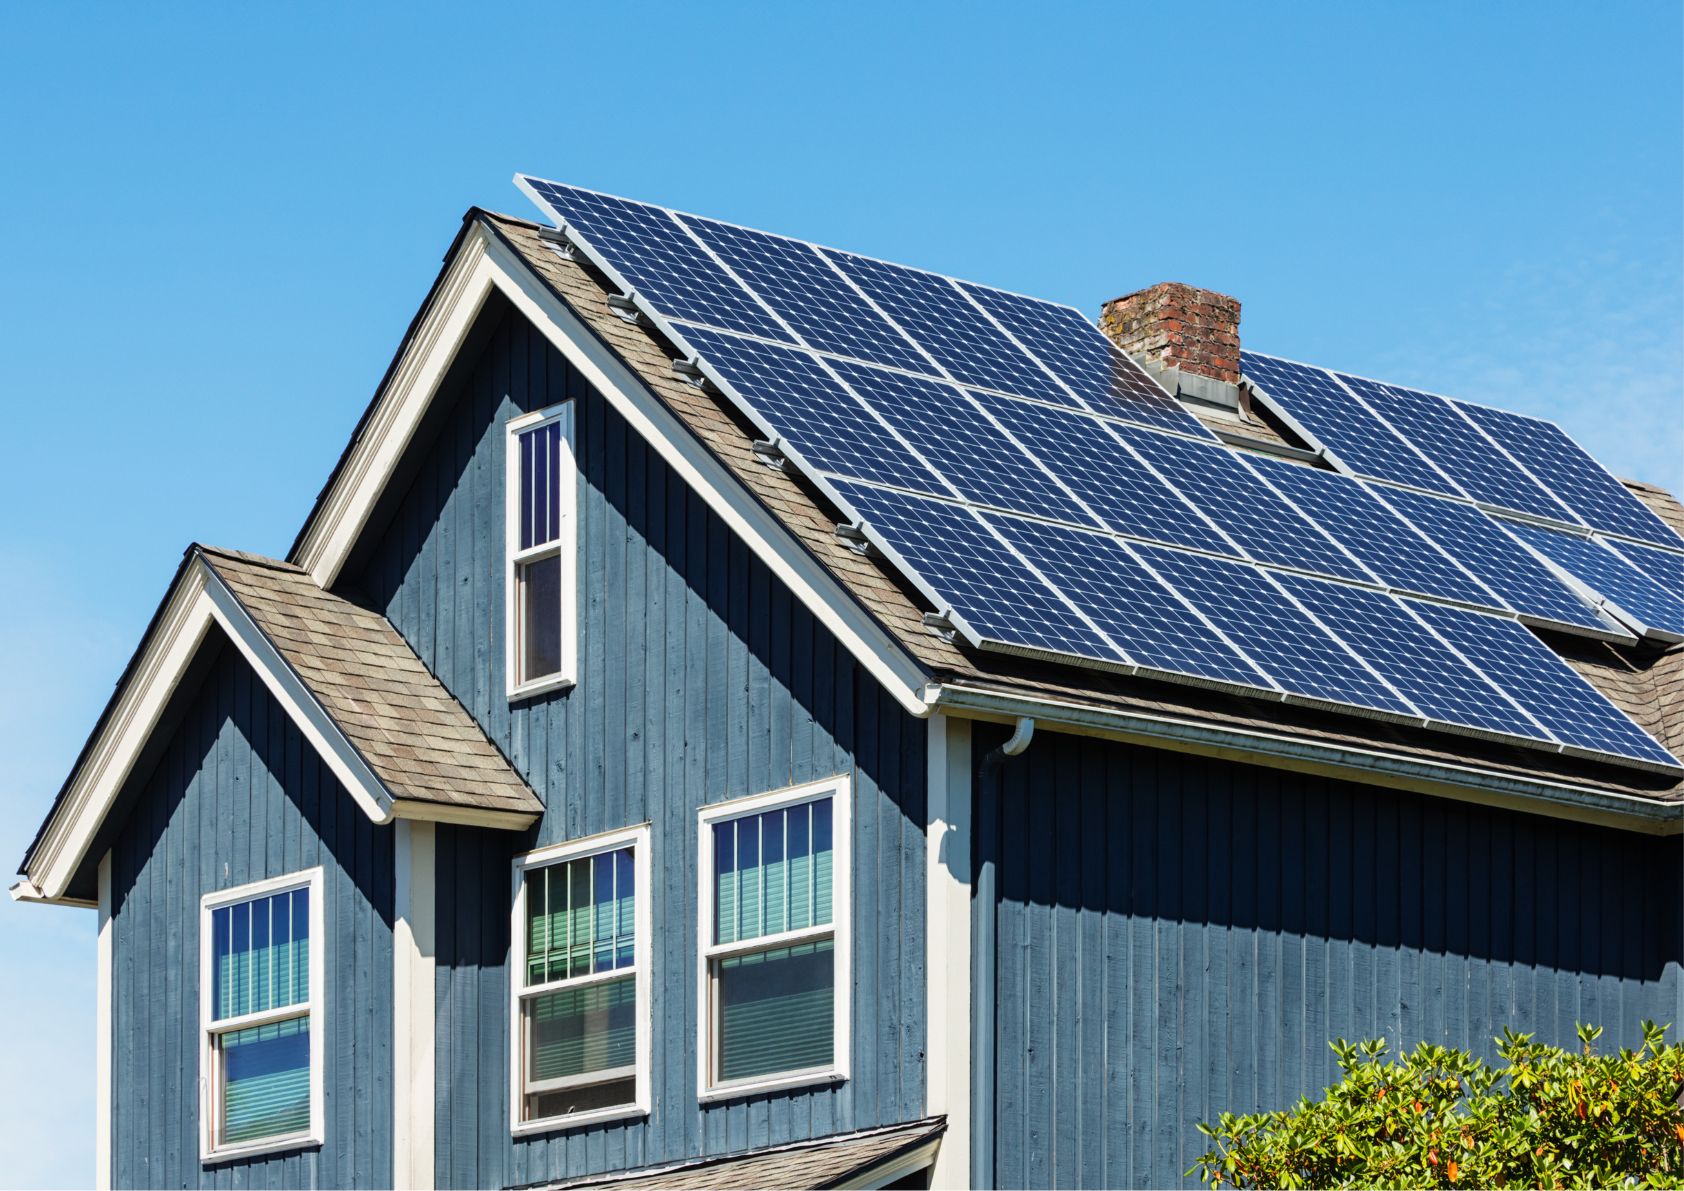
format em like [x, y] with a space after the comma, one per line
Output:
[1109, 478]
[955, 435]
[1266, 527]
[1139, 614]
[802, 287]
[1104, 378]
[657, 258]
[794, 394]
[1327, 415]
[967, 571]
[1458, 448]
[934, 312]
[1382, 540]
[1663, 566]
[1567, 469]
[1575, 713]
[1293, 650]
[1494, 558]
[1403, 651]
[1631, 595]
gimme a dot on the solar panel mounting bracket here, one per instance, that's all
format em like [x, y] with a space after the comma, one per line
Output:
[771, 454]
[558, 240]
[691, 371]
[627, 308]
[940, 625]
[854, 538]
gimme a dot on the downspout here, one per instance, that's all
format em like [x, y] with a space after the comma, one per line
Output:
[985, 824]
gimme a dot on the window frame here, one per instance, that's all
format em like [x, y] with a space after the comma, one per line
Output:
[313, 1008]
[564, 546]
[839, 790]
[637, 838]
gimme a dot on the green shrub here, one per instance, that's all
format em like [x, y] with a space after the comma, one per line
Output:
[1442, 1118]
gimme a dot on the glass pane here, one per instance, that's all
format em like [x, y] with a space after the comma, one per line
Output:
[266, 1081]
[539, 619]
[573, 1033]
[776, 1010]
[260, 954]
[772, 872]
[540, 486]
[583, 1098]
[580, 917]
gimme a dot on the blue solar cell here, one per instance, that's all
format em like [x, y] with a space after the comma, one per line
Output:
[1428, 673]
[659, 259]
[1273, 632]
[934, 312]
[1573, 710]
[1105, 379]
[1139, 614]
[1458, 448]
[1494, 558]
[973, 573]
[955, 435]
[1266, 527]
[1568, 471]
[829, 428]
[1109, 478]
[1382, 540]
[794, 280]
[1617, 581]
[1663, 566]
[1332, 418]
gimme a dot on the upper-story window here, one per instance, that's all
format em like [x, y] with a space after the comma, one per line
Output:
[260, 999]
[540, 577]
[774, 925]
[581, 983]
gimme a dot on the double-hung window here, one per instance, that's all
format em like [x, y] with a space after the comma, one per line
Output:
[540, 531]
[260, 1008]
[581, 982]
[774, 927]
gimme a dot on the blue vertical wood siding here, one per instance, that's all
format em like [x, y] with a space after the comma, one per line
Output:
[1179, 936]
[700, 679]
[239, 796]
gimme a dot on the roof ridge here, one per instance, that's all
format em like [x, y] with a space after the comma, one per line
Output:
[263, 560]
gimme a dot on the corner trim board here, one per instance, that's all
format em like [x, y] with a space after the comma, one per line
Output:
[103, 1176]
[414, 959]
[947, 941]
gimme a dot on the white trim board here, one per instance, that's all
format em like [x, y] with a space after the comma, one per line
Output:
[484, 262]
[947, 942]
[414, 958]
[103, 1174]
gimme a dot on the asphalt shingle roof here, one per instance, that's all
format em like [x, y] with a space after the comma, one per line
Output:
[420, 742]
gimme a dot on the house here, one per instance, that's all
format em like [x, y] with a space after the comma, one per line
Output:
[590, 796]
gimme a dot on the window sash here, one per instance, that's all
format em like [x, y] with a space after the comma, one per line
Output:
[581, 919]
[286, 1092]
[261, 1034]
[777, 923]
[539, 481]
[764, 1024]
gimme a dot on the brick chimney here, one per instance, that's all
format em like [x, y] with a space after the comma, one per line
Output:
[1188, 337]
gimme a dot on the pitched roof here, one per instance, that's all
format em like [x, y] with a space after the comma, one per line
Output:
[846, 1159]
[803, 511]
[389, 731]
[420, 742]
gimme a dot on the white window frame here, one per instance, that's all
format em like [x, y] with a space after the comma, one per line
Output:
[210, 1076]
[565, 545]
[637, 838]
[839, 790]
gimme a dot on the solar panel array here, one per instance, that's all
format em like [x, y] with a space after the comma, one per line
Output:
[1580, 523]
[1047, 496]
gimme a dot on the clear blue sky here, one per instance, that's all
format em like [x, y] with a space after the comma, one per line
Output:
[221, 220]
